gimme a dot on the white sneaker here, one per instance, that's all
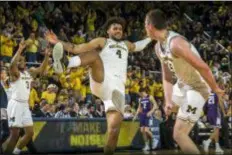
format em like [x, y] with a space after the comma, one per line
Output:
[205, 146]
[154, 144]
[57, 55]
[219, 150]
[146, 148]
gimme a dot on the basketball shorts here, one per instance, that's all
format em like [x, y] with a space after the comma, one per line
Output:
[190, 103]
[144, 120]
[111, 91]
[214, 118]
[19, 114]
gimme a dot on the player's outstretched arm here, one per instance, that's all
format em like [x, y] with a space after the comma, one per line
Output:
[14, 71]
[40, 70]
[139, 45]
[181, 48]
[94, 44]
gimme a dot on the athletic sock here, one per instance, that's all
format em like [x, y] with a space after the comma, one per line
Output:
[16, 151]
[74, 62]
[209, 141]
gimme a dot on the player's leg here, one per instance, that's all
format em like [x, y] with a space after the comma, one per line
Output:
[181, 132]
[27, 123]
[25, 139]
[114, 120]
[12, 140]
[217, 145]
[91, 59]
[188, 113]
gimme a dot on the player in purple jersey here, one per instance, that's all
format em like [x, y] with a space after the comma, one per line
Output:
[214, 117]
[147, 106]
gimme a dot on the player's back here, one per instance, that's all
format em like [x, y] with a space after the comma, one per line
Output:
[114, 56]
[186, 73]
[21, 87]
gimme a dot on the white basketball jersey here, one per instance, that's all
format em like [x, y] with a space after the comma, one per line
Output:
[21, 88]
[114, 56]
[186, 74]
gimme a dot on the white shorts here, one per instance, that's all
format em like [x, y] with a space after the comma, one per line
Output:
[19, 114]
[190, 103]
[111, 91]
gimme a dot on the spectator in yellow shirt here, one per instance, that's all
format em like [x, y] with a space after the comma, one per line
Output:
[32, 48]
[7, 46]
[33, 98]
[49, 95]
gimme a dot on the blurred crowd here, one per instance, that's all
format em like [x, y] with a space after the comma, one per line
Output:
[68, 94]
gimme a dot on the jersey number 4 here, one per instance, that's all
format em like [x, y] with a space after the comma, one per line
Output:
[119, 53]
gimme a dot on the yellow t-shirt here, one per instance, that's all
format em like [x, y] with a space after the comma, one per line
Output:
[76, 83]
[83, 91]
[50, 97]
[135, 88]
[32, 45]
[7, 46]
[158, 90]
[33, 98]
[128, 84]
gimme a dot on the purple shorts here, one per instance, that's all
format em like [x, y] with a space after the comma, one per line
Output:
[144, 120]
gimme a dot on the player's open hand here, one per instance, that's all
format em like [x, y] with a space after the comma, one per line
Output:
[51, 37]
[168, 109]
[220, 93]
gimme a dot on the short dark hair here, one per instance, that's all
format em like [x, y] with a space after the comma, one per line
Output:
[115, 20]
[157, 18]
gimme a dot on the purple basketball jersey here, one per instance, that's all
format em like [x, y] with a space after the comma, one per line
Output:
[145, 104]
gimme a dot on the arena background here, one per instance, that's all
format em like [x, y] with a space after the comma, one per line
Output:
[68, 118]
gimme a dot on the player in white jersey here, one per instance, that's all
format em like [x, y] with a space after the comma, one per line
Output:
[107, 58]
[19, 115]
[180, 58]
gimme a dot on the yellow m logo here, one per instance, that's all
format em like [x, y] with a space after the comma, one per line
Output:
[191, 109]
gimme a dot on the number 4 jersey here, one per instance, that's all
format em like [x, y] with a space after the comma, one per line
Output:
[21, 87]
[114, 56]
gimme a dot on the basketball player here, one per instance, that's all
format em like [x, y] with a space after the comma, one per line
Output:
[147, 106]
[19, 115]
[214, 117]
[180, 58]
[107, 58]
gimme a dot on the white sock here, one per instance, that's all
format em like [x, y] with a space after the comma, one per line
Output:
[16, 151]
[74, 62]
[217, 145]
[147, 143]
[209, 141]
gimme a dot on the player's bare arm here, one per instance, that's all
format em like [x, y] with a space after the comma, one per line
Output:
[138, 110]
[41, 69]
[181, 49]
[97, 43]
[154, 105]
[14, 71]
[139, 45]
[167, 83]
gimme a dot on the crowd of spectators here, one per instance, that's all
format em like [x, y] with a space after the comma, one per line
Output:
[68, 94]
